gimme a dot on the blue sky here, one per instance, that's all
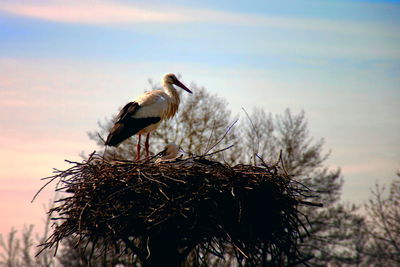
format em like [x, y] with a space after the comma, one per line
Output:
[64, 65]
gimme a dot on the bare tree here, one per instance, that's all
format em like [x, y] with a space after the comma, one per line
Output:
[267, 136]
[11, 247]
[384, 226]
[20, 251]
[333, 227]
[80, 253]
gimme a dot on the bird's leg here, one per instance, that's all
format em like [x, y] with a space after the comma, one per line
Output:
[146, 145]
[138, 149]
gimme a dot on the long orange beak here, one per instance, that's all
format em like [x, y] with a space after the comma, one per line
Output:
[181, 85]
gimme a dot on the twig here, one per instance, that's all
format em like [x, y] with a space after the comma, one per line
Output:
[226, 132]
[255, 151]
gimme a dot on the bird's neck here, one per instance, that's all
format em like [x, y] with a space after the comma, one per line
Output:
[172, 93]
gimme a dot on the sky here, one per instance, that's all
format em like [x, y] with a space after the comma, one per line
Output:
[65, 65]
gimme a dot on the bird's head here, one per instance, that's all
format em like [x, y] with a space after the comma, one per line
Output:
[171, 150]
[170, 78]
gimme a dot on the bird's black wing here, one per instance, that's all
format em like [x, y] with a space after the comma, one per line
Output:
[127, 111]
[126, 126]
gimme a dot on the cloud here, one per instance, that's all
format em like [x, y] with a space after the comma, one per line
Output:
[260, 34]
[88, 13]
[117, 13]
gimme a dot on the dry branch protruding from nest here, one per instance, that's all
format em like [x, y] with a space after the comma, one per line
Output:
[161, 213]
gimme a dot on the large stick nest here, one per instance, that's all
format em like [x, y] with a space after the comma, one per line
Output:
[161, 213]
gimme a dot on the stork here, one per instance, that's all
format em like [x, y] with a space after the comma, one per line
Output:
[170, 152]
[144, 115]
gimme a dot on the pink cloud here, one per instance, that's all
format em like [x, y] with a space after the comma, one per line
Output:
[100, 12]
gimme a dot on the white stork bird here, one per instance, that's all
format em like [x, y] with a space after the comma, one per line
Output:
[143, 115]
[170, 152]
